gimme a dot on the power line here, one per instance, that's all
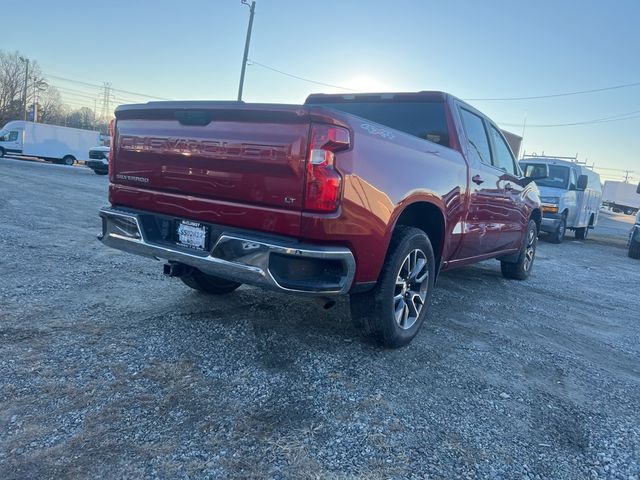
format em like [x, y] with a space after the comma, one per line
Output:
[78, 103]
[76, 93]
[615, 169]
[625, 116]
[555, 95]
[253, 62]
[533, 97]
[79, 82]
[71, 95]
[615, 118]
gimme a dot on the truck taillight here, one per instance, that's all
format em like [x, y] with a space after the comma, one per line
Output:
[112, 145]
[322, 191]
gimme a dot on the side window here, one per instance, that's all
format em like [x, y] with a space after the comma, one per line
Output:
[503, 158]
[13, 136]
[573, 180]
[477, 135]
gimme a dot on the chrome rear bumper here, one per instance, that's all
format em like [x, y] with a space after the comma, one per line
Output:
[239, 257]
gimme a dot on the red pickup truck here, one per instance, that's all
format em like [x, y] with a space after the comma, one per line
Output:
[371, 195]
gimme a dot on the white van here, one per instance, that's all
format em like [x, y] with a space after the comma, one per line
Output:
[50, 142]
[571, 196]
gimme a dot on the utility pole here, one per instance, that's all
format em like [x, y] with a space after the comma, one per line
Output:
[252, 9]
[524, 126]
[35, 101]
[38, 86]
[26, 81]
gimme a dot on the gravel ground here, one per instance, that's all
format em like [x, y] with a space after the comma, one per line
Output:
[108, 369]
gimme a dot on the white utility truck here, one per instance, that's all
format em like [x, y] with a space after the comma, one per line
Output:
[49, 142]
[621, 197]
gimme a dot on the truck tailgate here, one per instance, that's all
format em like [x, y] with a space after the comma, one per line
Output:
[214, 152]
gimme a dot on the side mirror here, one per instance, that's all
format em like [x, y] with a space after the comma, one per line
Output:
[583, 181]
[533, 172]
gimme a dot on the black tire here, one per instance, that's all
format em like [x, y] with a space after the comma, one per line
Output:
[559, 234]
[208, 283]
[582, 233]
[1, 152]
[521, 269]
[100, 172]
[393, 312]
[68, 160]
[628, 211]
[634, 249]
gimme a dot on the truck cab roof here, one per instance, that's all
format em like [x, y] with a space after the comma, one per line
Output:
[424, 96]
[551, 161]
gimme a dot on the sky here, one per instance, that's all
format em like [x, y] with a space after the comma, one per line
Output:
[192, 49]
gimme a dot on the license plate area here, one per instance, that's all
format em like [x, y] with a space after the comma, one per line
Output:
[191, 235]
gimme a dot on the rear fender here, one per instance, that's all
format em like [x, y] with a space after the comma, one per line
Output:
[426, 212]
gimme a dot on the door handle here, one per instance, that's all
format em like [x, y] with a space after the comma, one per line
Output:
[477, 179]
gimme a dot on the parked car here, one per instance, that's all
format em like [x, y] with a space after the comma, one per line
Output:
[621, 197]
[634, 235]
[98, 160]
[634, 239]
[371, 195]
[50, 142]
[571, 196]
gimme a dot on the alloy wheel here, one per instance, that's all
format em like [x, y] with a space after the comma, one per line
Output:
[530, 249]
[410, 291]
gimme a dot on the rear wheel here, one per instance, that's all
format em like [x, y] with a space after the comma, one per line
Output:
[634, 249]
[68, 160]
[521, 269]
[582, 233]
[561, 231]
[100, 172]
[395, 309]
[209, 283]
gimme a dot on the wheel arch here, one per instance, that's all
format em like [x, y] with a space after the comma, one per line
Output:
[536, 215]
[428, 217]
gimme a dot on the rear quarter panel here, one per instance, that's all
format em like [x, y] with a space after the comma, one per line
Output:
[384, 172]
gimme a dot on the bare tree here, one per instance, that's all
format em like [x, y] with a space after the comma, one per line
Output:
[11, 86]
[51, 108]
[82, 118]
[12, 73]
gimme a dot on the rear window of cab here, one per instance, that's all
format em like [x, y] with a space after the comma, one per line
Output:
[426, 120]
